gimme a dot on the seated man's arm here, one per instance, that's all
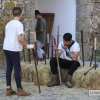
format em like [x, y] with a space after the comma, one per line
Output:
[59, 51]
[73, 55]
[75, 52]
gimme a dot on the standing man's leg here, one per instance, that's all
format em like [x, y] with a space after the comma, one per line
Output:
[15, 57]
[9, 69]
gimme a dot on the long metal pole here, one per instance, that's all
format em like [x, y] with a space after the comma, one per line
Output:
[58, 58]
[45, 46]
[92, 55]
[82, 46]
[58, 36]
[29, 43]
[89, 70]
[94, 66]
[52, 46]
[95, 48]
[58, 68]
[24, 52]
[35, 58]
[48, 44]
[95, 60]
[48, 50]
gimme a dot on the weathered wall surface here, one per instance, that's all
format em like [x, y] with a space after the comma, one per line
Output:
[88, 20]
[6, 7]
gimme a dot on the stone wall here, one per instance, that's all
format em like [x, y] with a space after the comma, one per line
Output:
[88, 20]
[6, 7]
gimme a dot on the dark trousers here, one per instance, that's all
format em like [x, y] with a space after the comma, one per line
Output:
[13, 60]
[71, 65]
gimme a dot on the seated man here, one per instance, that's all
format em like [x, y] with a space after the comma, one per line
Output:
[68, 53]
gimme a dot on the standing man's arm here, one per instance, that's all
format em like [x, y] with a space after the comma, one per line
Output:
[20, 34]
[22, 41]
[39, 28]
[20, 37]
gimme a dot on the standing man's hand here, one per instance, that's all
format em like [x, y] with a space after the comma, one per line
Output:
[39, 30]
[30, 46]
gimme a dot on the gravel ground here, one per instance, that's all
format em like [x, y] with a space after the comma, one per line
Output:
[47, 93]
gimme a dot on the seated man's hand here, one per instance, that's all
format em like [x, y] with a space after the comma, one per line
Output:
[30, 46]
[64, 47]
[55, 48]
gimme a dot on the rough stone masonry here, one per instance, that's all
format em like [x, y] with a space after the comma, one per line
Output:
[87, 19]
[6, 7]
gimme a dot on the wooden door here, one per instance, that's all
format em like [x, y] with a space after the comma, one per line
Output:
[49, 17]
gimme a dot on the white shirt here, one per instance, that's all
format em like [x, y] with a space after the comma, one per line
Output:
[73, 48]
[11, 41]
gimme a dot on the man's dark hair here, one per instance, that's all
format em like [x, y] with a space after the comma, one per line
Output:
[16, 11]
[37, 12]
[67, 36]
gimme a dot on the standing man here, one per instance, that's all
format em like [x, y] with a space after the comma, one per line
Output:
[68, 53]
[13, 44]
[40, 33]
